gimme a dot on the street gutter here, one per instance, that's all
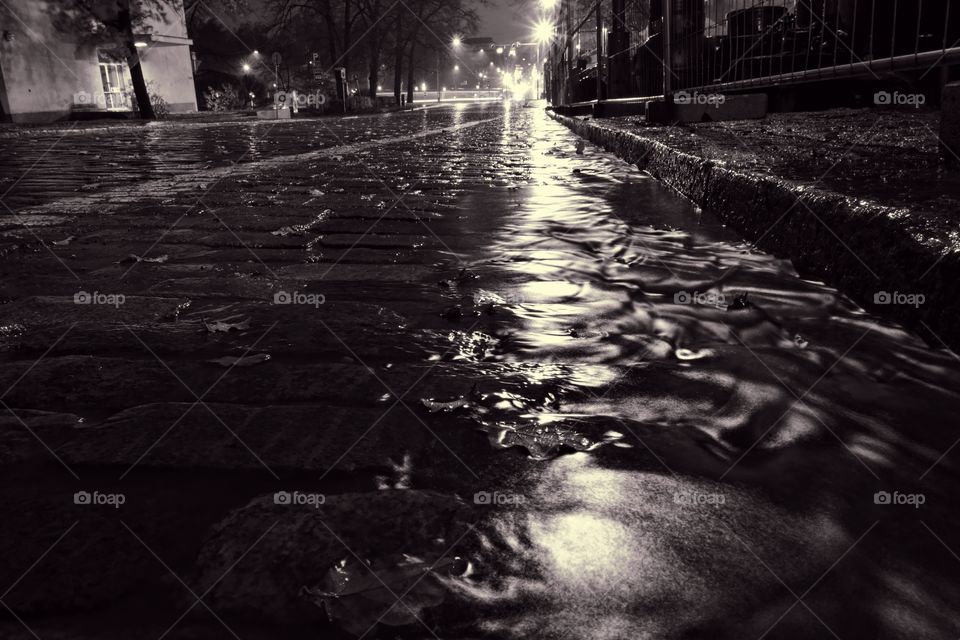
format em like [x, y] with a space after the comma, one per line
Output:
[862, 247]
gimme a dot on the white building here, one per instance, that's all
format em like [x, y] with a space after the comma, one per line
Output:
[47, 75]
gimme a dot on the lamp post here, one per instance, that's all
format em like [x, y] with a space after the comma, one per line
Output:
[543, 34]
[455, 43]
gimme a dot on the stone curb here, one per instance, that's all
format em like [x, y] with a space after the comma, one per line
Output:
[861, 247]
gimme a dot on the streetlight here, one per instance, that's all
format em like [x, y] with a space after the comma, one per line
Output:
[246, 68]
[543, 32]
[455, 42]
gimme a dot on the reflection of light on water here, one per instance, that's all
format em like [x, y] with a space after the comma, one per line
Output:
[596, 552]
[540, 290]
[588, 553]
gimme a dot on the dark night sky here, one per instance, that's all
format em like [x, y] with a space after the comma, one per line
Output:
[504, 21]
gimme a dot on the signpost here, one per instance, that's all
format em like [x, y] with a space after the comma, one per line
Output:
[277, 59]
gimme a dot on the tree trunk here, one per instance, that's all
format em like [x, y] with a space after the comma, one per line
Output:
[398, 62]
[410, 70]
[374, 74]
[139, 84]
[125, 24]
[347, 44]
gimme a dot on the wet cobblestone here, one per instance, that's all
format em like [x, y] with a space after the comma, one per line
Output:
[474, 342]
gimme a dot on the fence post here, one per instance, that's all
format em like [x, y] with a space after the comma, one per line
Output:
[667, 48]
[570, 54]
[599, 9]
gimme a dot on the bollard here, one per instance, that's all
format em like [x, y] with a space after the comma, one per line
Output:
[950, 124]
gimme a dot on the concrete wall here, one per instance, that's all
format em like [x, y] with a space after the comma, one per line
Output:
[41, 72]
[43, 75]
[168, 71]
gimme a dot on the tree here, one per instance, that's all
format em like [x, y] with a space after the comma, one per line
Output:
[378, 28]
[198, 12]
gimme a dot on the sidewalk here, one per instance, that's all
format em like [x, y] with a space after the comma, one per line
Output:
[854, 197]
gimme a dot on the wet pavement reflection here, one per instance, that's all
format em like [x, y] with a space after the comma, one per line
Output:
[544, 397]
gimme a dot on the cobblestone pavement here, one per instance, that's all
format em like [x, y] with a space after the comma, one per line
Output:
[68, 161]
[443, 375]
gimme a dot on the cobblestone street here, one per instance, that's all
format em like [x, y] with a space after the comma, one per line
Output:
[535, 392]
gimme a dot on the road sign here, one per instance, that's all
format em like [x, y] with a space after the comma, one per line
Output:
[277, 58]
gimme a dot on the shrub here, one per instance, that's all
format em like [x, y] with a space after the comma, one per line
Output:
[224, 98]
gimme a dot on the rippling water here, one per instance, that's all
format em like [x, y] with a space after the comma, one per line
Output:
[760, 414]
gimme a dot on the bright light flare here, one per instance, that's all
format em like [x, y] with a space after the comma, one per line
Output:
[543, 31]
[456, 42]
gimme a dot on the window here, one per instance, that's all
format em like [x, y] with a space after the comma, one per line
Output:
[116, 91]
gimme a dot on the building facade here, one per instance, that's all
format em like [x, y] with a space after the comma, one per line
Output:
[47, 74]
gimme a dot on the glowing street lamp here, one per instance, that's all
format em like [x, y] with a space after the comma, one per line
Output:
[456, 42]
[543, 32]
[246, 68]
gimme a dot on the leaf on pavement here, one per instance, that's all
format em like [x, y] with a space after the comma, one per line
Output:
[436, 405]
[135, 258]
[246, 361]
[543, 441]
[393, 591]
[221, 326]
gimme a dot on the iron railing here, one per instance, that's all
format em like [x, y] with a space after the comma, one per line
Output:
[617, 49]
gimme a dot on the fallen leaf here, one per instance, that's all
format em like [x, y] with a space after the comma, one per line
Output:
[245, 361]
[221, 326]
[358, 596]
[543, 441]
[135, 258]
[65, 241]
[435, 406]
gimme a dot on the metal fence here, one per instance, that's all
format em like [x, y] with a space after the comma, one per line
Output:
[614, 49]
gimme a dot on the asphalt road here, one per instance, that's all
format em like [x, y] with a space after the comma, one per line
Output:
[442, 374]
